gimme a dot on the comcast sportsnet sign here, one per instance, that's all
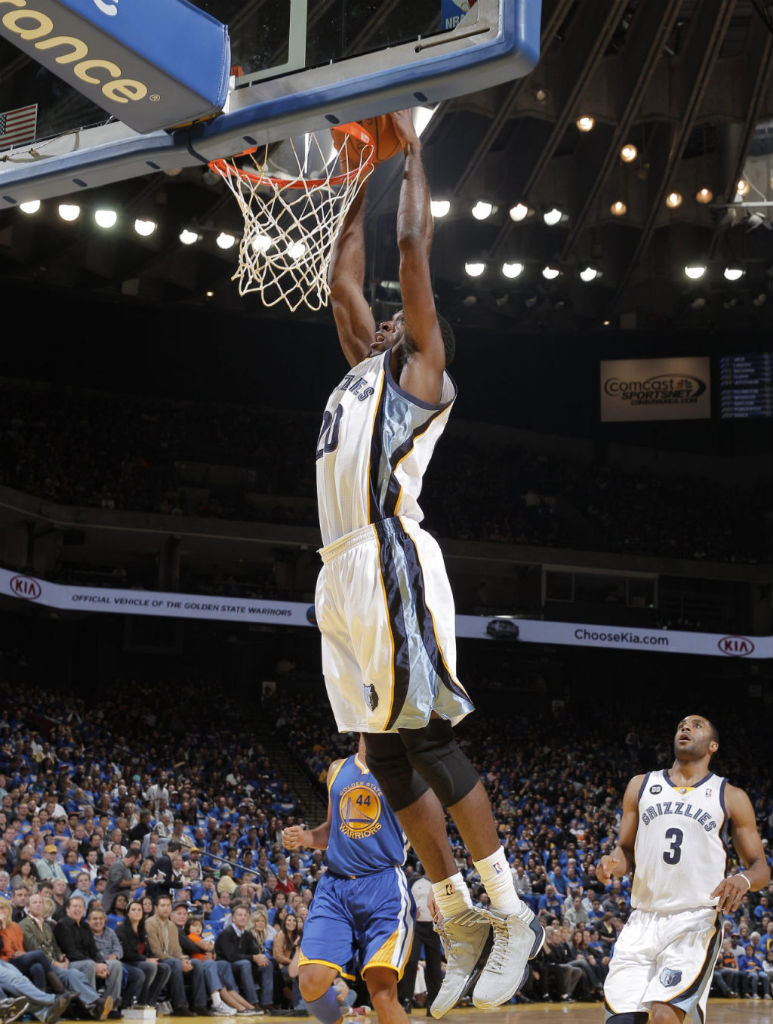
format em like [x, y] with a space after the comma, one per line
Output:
[656, 389]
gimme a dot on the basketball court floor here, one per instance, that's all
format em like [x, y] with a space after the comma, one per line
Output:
[720, 1011]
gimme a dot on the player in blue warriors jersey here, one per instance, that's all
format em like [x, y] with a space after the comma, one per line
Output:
[674, 830]
[362, 908]
[384, 604]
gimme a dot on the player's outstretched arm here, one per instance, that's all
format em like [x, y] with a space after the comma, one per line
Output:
[422, 375]
[621, 860]
[346, 275]
[748, 846]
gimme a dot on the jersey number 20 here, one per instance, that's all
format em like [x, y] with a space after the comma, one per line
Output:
[328, 436]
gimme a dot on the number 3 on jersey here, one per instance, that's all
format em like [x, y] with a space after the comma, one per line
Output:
[328, 436]
[674, 853]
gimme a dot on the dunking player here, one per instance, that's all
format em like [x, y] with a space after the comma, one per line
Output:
[672, 830]
[384, 604]
[362, 902]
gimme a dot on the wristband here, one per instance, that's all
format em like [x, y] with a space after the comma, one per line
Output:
[740, 874]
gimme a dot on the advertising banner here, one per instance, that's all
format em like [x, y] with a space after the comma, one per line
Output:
[656, 389]
[295, 613]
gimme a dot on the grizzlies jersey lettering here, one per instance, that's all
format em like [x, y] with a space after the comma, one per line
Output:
[680, 848]
[374, 447]
[365, 835]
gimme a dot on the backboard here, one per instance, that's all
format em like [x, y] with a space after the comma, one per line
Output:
[297, 65]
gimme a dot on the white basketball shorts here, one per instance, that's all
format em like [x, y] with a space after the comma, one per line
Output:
[664, 958]
[386, 612]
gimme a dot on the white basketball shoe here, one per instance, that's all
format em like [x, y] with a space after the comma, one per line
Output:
[464, 935]
[517, 939]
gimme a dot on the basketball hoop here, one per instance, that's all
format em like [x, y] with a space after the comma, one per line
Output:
[294, 196]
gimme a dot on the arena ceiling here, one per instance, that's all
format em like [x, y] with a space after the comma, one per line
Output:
[686, 82]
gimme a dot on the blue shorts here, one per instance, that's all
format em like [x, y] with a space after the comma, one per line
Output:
[365, 922]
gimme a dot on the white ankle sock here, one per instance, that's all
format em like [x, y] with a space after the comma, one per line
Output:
[497, 880]
[452, 895]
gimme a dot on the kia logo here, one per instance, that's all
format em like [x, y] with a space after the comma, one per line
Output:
[23, 586]
[736, 646]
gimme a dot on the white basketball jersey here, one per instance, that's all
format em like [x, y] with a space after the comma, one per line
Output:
[374, 446]
[680, 848]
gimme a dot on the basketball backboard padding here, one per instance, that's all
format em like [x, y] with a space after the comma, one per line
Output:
[495, 42]
[127, 57]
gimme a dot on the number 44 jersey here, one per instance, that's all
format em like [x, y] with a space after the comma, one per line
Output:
[680, 847]
[374, 446]
[365, 835]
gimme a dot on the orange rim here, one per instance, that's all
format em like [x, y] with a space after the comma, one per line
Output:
[225, 167]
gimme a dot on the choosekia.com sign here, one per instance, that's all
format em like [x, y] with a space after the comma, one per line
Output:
[656, 389]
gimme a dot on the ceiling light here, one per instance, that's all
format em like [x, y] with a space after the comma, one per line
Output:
[541, 95]
[704, 195]
[731, 302]
[742, 187]
[296, 250]
[225, 241]
[530, 302]
[440, 207]
[550, 273]
[629, 152]
[674, 200]
[188, 237]
[552, 216]
[512, 269]
[482, 210]
[589, 274]
[469, 300]
[261, 243]
[699, 302]
[618, 208]
[210, 295]
[733, 273]
[69, 211]
[606, 323]
[695, 271]
[585, 124]
[759, 300]
[474, 269]
[31, 206]
[106, 218]
[518, 212]
[422, 117]
[144, 227]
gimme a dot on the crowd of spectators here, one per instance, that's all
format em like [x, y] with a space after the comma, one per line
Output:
[99, 450]
[162, 824]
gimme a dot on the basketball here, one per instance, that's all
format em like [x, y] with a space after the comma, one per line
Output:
[385, 142]
[385, 138]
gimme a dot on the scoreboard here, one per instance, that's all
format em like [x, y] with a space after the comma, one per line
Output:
[746, 386]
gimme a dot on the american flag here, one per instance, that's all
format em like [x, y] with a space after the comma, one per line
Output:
[18, 126]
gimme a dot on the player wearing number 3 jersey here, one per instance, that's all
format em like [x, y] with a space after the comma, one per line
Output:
[673, 832]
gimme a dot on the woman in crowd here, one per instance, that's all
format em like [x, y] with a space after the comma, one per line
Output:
[35, 965]
[131, 934]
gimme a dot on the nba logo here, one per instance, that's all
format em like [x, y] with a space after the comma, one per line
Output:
[708, 792]
[498, 868]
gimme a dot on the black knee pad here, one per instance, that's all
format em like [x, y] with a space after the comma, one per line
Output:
[626, 1018]
[440, 761]
[388, 760]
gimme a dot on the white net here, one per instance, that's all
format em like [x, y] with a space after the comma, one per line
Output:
[293, 198]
